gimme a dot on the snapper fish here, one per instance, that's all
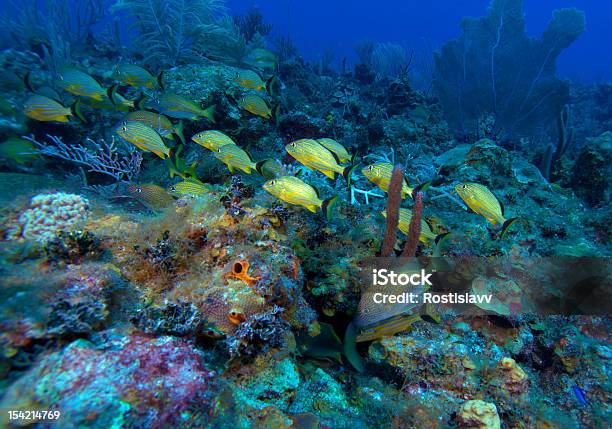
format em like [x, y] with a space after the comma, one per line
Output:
[294, 191]
[158, 122]
[152, 196]
[237, 159]
[189, 186]
[261, 58]
[315, 156]
[45, 109]
[178, 107]
[136, 76]
[480, 200]
[19, 150]
[337, 149]
[212, 139]
[143, 137]
[379, 174]
[78, 83]
[256, 105]
[252, 80]
[427, 236]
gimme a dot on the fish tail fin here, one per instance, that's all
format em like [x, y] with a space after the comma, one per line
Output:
[439, 242]
[350, 348]
[139, 103]
[327, 206]
[178, 131]
[348, 172]
[259, 167]
[75, 109]
[160, 80]
[271, 84]
[506, 226]
[422, 187]
[111, 92]
[209, 113]
[27, 81]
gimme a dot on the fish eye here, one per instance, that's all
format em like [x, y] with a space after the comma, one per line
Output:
[371, 167]
[464, 186]
[293, 144]
[124, 128]
[139, 190]
[173, 188]
[272, 182]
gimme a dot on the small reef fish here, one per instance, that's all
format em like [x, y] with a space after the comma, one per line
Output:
[44, 109]
[337, 149]
[78, 83]
[236, 158]
[19, 150]
[379, 173]
[179, 107]
[136, 76]
[293, 191]
[388, 328]
[189, 186]
[252, 80]
[256, 105]
[151, 195]
[261, 58]
[158, 122]
[480, 200]
[212, 139]
[580, 396]
[143, 137]
[316, 157]
[405, 215]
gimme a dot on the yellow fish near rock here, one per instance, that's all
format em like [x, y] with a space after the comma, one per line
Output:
[143, 137]
[315, 156]
[189, 186]
[45, 109]
[79, 83]
[337, 149]
[294, 191]
[136, 76]
[256, 105]
[237, 159]
[480, 200]
[379, 173]
[212, 139]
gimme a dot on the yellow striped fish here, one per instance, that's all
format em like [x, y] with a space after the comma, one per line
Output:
[316, 157]
[44, 109]
[78, 83]
[236, 158]
[337, 149]
[143, 137]
[151, 195]
[256, 105]
[158, 122]
[261, 58]
[212, 139]
[189, 186]
[133, 75]
[388, 328]
[293, 191]
[249, 79]
[379, 173]
[179, 107]
[479, 199]
[405, 215]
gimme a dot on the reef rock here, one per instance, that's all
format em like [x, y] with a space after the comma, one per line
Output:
[126, 381]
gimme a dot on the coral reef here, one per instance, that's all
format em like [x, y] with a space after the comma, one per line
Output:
[50, 214]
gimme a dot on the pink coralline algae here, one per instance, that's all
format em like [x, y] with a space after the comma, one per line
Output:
[159, 381]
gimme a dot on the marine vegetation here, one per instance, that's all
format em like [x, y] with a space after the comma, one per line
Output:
[196, 213]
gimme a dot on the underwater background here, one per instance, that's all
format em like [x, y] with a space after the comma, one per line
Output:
[195, 193]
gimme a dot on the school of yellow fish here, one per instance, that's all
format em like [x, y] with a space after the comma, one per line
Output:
[152, 120]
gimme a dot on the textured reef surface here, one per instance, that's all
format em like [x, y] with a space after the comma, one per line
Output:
[186, 248]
